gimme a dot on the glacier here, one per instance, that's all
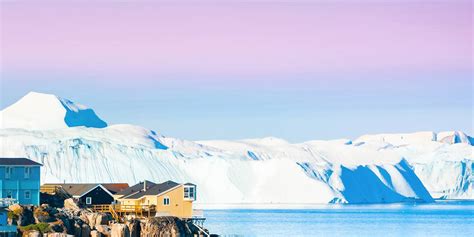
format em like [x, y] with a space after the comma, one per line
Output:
[381, 168]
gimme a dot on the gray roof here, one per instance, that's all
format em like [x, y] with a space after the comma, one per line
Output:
[18, 161]
[135, 188]
[79, 189]
[154, 190]
[76, 189]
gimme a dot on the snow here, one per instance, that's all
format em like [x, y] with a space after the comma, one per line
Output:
[371, 169]
[38, 111]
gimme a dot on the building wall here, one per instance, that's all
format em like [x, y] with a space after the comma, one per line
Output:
[177, 205]
[129, 202]
[18, 184]
[99, 196]
[3, 218]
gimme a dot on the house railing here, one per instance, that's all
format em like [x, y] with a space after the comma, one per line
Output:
[5, 202]
[118, 210]
[198, 213]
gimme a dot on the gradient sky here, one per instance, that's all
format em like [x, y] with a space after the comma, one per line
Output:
[298, 70]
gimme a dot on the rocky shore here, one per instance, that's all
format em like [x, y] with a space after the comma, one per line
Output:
[71, 220]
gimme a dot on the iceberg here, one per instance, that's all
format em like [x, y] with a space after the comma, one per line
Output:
[382, 168]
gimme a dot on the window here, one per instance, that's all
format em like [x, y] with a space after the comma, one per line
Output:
[88, 200]
[27, 172]
[190, 192]
[8, 172]
[166, 201]
[9, 194]
[27, 194]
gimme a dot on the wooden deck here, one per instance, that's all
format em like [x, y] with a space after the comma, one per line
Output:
[118, 210]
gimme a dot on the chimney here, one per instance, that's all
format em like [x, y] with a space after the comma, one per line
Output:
[144, 186]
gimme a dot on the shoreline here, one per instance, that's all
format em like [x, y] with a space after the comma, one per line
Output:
[296, 206]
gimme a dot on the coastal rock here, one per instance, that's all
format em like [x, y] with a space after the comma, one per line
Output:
[120, 230]
[71, 204]
[134, 227]
[95, 233]
[85, 231]
[103, 229]
[16, 208]
[81, 230]
[32, 233]
[41, 214]
[94, 219]
[166, 226]
[63, 222]
[57, 235]
[26, 216]
[57, 226]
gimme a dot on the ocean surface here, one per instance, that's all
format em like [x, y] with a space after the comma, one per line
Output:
[447, 218]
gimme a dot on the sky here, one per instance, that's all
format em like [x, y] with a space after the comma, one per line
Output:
[299, 70]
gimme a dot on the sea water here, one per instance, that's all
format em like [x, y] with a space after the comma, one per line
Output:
[437, 219]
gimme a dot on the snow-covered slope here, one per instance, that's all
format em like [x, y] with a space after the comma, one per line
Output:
[376, 168]
[38, 111]
[449, 137]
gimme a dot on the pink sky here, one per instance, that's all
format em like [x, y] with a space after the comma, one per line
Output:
[236, 38]
[250, 68]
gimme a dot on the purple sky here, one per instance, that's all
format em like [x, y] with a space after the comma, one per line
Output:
[203, 69]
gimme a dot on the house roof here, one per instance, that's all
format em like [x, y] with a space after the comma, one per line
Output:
[155, 189]
[18, 161]
[135, 188]
[79, 189]
[115, 187]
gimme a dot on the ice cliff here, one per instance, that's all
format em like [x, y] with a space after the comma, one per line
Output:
[370, 169]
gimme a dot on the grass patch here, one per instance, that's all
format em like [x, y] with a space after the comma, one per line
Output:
[41, 227]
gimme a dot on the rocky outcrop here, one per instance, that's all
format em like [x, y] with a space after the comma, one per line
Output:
[95, 233]
[134, 228]
[43, 213]
[23, 215]
[103, 229]
[71, 204]
[85, 231]
[57, 235]
[33, 233]
[49, 221]
[120, 230]
[168, 226]
[94, 219]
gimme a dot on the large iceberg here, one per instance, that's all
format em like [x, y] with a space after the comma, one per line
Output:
[371, 169]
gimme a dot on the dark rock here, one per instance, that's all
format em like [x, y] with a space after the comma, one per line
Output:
[168, 226]
[134, 227]
[52, 200]
[26, 217]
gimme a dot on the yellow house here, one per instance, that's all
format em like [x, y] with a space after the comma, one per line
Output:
[165, 199]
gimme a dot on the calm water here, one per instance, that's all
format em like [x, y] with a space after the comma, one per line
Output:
[440, 219]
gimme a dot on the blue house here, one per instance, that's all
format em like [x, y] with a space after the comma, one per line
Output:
[6, 230]
[20, 180]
